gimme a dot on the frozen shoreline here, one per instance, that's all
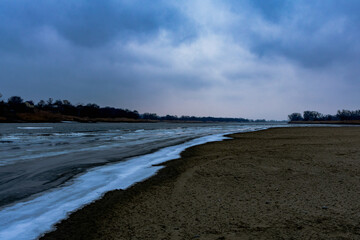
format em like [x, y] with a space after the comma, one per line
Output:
[32, 218]
[38, 157]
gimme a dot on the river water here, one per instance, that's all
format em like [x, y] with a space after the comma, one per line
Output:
[50, 169]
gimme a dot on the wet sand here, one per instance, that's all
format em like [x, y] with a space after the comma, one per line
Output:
[285, 183]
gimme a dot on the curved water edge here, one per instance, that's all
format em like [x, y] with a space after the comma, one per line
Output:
[31, 218]
[38, 157]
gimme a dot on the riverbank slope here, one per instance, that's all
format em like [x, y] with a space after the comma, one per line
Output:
[299, 183]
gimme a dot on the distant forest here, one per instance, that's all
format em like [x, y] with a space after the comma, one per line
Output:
[15, 109]
[342, 115]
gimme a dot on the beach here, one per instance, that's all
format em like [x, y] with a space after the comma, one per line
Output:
[281, 183]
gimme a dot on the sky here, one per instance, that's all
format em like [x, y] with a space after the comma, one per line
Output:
[230, 58]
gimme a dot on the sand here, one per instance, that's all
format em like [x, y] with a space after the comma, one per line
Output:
[284, 183]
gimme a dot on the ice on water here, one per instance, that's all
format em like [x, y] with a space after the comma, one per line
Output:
[30, 218]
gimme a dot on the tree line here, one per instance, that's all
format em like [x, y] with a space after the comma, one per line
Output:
[341, 115]
[154, 116]
[15, 105]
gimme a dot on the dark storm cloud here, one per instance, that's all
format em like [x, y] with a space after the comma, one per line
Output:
[87, 23]
[202, 57]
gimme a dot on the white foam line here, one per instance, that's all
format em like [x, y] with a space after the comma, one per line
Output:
[32, 218]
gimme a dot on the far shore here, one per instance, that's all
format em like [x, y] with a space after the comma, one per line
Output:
[345, 122]
[46, 117]
[62, 118]
[282, 183]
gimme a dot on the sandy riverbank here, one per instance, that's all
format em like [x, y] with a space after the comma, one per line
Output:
[286, 183]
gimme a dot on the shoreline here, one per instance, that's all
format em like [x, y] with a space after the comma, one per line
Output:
[184, 199]
[111, 177]
[122, 120]
[167, 172]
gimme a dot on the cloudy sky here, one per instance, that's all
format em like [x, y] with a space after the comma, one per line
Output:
[234, 58]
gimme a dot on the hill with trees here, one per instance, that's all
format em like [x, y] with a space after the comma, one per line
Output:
[18, 110]
[15, 109]
[342, 116]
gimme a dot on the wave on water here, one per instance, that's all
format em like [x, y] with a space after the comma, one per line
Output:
[30, 219]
